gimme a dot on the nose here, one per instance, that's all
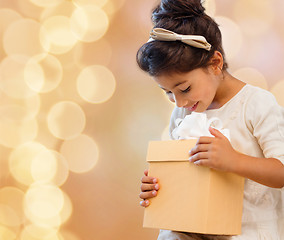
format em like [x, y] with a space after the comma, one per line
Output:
[180, 101]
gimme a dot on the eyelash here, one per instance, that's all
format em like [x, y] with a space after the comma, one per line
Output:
[186, 90]
[183, 91]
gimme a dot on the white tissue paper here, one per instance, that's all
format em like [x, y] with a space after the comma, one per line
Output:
[196, 125]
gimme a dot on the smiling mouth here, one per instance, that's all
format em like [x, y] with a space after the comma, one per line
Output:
[192, 108]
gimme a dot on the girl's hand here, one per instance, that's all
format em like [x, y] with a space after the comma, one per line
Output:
[149, 188]
[214, 152]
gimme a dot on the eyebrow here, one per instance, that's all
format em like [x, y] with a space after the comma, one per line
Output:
[174, 86]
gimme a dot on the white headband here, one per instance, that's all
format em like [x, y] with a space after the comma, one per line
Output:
[192, 40]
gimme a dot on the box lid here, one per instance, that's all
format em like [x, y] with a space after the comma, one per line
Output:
[172, 150]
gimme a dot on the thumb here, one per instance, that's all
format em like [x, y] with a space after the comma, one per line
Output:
[216, 133]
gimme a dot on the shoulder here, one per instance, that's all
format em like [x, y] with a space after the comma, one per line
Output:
[261, 106]
[258, 95]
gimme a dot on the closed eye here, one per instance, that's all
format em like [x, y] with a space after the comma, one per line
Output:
[186, 90]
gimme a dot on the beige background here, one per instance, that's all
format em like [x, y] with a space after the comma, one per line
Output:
[89, 125]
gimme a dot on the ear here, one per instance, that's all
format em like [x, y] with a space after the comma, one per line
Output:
[216, 62]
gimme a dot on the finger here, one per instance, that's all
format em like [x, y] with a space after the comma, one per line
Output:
[146, 172]
[147, 195]
[199, 148]
[149, 187]
[205, 140]
[199, 156]
[216, 133]
[145, 203]
[202, 162]
[150, 180]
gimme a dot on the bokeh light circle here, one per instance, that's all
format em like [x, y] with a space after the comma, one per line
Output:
[12, 70]
[96, 84]
[44, 201]
[254, 17]
[43, 73]
[50, 167]
[7, 16]
[20, 161]
[56, 36]
[81, 153]
[66, 120]
[44, 166]
[251, 76]
[231, 36]
[21, 110]
[15, 132]
[22, 37]
[89, 23]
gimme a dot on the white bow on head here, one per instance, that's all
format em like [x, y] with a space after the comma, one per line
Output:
[167, 35]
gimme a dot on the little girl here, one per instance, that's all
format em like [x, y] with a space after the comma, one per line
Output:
[185, 57]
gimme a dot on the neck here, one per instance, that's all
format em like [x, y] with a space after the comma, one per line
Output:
[229, 86]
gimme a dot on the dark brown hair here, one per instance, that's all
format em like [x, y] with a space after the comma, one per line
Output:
[183, 17]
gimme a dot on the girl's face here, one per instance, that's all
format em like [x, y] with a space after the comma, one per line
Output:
[196, 90]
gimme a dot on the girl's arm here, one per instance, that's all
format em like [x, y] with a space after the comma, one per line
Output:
[217, 152]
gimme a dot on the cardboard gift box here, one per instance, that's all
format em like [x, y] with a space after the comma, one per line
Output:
[192, 198]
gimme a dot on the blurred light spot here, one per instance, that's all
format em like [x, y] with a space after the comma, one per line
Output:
[277, 90]
[66, 120]
[20, 161]
[7, 234]
[251, 76]
[254, 17]
[49, 166]
[44, 201]
[99, 3]
[56, 36]
[35, 232]
[44, 166]
[22, 37]
[46, 4]
[87, 54]
[43, 73]
[15, 132]
[89, 23]
[7, 17]
[96, 84]
[67, 209]
[112, 6]
[52, 221]
[165, 135]
[11, 207]
[12, 70]
[62, 170]
[20, 110]
[64, 9]
[231, 36]
[81, 153]
[210, 7]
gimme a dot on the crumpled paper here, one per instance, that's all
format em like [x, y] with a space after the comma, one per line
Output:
[196, 125]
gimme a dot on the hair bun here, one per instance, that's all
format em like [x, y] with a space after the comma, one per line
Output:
[177, 9]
